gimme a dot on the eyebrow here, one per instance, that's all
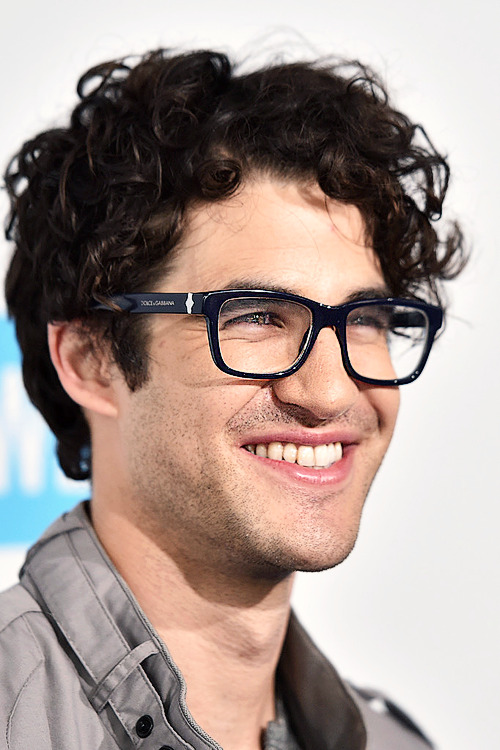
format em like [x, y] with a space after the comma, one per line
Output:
[372, 292]
[365, 293]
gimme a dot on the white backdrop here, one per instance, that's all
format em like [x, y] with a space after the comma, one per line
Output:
[414, 611]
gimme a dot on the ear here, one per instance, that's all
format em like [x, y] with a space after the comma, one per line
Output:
[84, 370]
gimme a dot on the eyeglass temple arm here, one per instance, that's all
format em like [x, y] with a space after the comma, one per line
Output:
[156, 302]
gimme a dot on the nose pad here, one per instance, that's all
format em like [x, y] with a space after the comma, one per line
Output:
[321, 386]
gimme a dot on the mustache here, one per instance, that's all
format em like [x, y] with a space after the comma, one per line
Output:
[272, 414]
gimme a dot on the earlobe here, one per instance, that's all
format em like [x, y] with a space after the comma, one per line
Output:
[84, 372]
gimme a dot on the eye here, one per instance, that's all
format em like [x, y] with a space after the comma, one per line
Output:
[385, 325]
[257, 318]
[377, 319]
[256, 313]
[264, 319]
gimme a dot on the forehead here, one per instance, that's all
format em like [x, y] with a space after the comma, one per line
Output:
[276, 234]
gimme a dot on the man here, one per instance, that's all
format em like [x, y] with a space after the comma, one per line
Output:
[273, 232]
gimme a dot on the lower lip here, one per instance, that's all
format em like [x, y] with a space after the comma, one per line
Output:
[336, 474]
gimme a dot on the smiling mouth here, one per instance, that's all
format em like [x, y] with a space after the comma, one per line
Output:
[315, 457]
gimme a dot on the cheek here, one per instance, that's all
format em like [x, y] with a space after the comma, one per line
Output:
[385, 402]
[197, 406]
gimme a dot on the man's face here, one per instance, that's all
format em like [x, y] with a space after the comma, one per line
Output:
[186, 473]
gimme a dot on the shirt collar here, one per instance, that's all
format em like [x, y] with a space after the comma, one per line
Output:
[112, 642]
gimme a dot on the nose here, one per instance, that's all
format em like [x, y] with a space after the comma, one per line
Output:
[321, 386]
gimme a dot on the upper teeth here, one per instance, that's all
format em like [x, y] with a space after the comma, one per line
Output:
[317, 456]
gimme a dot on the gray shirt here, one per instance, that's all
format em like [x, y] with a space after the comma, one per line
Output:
[82, 667]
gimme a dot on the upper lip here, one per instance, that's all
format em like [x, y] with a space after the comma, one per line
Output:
[344, 436]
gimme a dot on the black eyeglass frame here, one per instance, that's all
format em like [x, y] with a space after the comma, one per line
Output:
[323, 316]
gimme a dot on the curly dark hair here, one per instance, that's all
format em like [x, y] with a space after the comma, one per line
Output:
[98, 206]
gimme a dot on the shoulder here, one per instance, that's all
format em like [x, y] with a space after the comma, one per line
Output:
[20, 652]
[387, 725]
[41, 698]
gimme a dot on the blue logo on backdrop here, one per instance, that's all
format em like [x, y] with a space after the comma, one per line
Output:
[33, 489]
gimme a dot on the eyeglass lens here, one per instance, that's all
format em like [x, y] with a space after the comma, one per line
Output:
[267, 336]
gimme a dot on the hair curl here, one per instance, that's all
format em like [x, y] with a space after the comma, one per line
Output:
[98, 206]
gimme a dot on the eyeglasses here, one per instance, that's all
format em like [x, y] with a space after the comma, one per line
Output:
[266, 335]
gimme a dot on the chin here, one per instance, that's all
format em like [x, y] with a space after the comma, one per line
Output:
[323, 562]
[313, 560]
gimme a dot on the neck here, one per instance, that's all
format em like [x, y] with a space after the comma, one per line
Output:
[224, 632]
